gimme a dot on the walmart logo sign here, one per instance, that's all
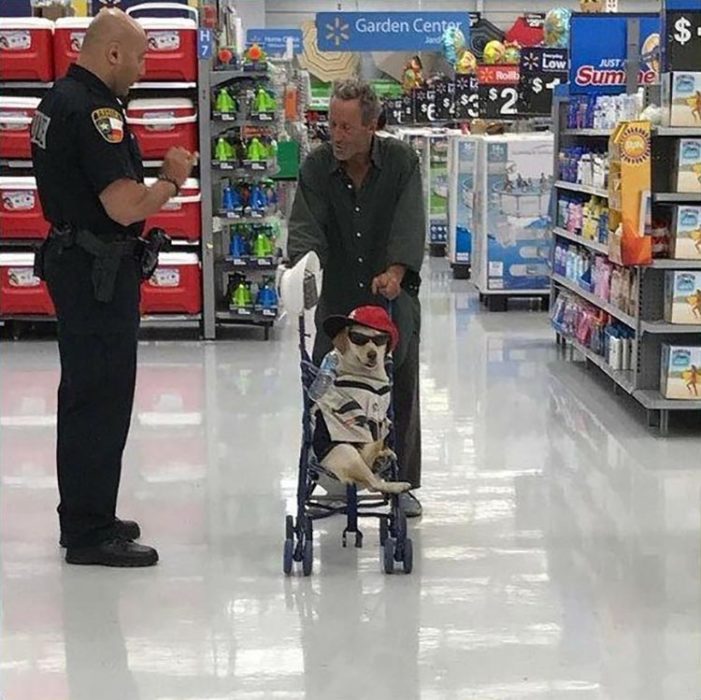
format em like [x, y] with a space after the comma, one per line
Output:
[386, 31]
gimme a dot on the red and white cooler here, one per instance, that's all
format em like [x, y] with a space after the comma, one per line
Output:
[26, 49]
[20, 291]
[16, 114]
[172, 43]
[69, 33]
[21, 215]
[176, 286]
[180, 217]
[161, 123]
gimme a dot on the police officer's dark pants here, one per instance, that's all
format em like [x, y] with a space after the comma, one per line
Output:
[95, 396]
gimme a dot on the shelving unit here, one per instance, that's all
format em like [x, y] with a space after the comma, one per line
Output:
[218, 222]
[642, 382]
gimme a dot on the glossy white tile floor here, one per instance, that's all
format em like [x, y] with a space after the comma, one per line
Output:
[558, 558]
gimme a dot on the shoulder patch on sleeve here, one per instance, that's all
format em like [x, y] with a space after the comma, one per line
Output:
[39, 129]
[109, 124]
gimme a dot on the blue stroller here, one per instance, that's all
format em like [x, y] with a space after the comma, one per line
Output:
[395, 546]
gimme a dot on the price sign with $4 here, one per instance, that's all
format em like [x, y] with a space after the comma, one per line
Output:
[683, 41]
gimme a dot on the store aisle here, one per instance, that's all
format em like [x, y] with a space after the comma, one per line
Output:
[558, 557]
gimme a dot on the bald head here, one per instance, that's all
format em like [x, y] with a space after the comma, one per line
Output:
[114, 49]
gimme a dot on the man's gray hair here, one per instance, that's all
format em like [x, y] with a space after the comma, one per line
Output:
[356, 89]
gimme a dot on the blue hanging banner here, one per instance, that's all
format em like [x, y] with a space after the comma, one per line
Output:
[598, 66]
[274, 41]
[387, 31]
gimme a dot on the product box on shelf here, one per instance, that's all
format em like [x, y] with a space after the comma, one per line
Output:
[683, 297]
[26, 49]
[161, 123]
[176, 286]
[172, 49]
[21, 215]
[517, 187]
[682, 97]
[464, 149]
[69, 33]
[16, 114]
[681, 372]
[688, 175]
[21, 292]
[180, 217]
[630, 151]
[685, 241]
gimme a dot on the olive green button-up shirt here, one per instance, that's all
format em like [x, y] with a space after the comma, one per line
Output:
[359, 233]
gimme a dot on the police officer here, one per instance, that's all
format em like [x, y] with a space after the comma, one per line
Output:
[90, 180]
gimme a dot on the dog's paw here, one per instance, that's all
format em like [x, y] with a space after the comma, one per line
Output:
[394, 486]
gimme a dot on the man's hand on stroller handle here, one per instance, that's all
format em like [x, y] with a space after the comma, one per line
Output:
[389, 283]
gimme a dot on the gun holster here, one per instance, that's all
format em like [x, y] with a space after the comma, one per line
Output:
[147, 249]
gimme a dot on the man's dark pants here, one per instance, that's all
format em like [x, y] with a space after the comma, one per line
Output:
[96, 392]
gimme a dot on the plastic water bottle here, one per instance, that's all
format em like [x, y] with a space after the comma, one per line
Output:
[326, 376]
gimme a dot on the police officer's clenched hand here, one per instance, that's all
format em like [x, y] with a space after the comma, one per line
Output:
[127, 201]
[177, 165]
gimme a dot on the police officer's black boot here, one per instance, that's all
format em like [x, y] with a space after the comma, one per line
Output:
[115, 552]
[124, 529]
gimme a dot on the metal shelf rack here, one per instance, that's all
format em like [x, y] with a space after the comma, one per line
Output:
[642, 382]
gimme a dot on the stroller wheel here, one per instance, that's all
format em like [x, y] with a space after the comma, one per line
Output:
[308, 558]
[388, 556]
[288, 556]
[400, 526]
[384, 531]
[289, 528]
[408, 556]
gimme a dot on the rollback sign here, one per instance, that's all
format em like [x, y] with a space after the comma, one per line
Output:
[598, 65]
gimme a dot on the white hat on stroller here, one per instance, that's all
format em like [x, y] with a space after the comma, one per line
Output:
[299, 286]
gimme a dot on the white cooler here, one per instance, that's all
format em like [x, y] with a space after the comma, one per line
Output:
[20, 291]
[180, 217]
[16, 114]
[176, 286]
[21, 215]
[161, 123]
[26, 49]
[172, 43]
[69, 33]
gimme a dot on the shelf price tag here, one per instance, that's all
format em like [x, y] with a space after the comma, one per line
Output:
[445, 100]
[466, 97]
[683, 40]
[541, 71]
[424, 105]
[399, 111]
[498, 91]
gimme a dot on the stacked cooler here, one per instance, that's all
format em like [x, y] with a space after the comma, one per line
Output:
[26, 70]
[34, 52]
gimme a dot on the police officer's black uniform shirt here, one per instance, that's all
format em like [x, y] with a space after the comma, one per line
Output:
[81, 144]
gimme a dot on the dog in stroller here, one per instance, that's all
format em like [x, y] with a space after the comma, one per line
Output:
[347, 431]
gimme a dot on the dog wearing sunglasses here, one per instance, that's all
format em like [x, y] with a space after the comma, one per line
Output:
[351, 418]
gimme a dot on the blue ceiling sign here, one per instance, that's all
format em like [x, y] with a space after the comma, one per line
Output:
[274, 41]
[387, 31]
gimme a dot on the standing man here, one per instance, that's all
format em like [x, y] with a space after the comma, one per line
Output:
[359, 206]
[90, 180]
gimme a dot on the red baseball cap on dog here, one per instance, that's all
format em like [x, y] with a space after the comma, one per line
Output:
[375, 317]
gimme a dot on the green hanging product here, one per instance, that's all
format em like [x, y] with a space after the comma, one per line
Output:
[264, 101]
[223, 151]
[242, 297]
[256, 150]
[225, 103]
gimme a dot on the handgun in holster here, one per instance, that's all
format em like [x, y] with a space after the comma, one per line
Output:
[149, 246]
